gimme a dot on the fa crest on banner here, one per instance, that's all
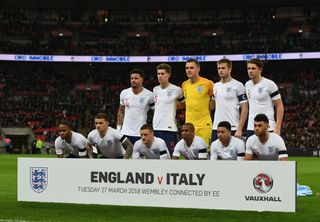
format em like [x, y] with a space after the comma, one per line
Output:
[39, 178]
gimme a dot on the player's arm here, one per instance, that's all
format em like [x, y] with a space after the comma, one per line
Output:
[150, 114]
[243, 118]
[83, 147]
[248, 156]
[120, 117]
[283, 158]
[282, 153]
[249, 153]
[240, 150]
[279, 115]
[83, 152]
[128, 146]
[181, 103]
[136, 152]
[203, 154]
[58, 149]
[90, 150]
[176, 154]
[213, 153]
[164, 153]
[151, 108]
[212, 104]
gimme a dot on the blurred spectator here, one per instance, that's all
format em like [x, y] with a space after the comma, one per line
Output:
[8, 145]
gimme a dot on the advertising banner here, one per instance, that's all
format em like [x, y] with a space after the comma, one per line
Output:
[157, 59]
[233, 185]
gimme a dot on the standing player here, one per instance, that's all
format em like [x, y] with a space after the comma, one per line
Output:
[198, 92]
[166, 96]
[110, 142]
[263, 95]
[192, 147]
[135, 103]
[227, 147]
[149, 146]
[229, 96]
[70, 143]
[265, 145]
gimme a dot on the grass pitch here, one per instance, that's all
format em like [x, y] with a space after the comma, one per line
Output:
[308, 208]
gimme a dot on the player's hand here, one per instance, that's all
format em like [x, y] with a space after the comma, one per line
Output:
[238, 133]
[277, 131]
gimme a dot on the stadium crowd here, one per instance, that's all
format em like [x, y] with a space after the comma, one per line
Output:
[302, 117]
[107, 33]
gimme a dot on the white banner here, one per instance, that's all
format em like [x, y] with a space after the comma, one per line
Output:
[157, 59]
[234, 185]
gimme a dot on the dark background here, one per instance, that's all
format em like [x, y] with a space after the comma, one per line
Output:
[147, 4]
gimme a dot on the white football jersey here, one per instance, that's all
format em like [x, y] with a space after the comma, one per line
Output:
[198, 149]
[228, 97]
[260, 97]
[158, 150]
[273, 149]
[110, 145]
[234, 151]
[164, 117]
[77, 147]
[136, 109]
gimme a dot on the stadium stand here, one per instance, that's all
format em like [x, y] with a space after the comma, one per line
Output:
[159, 32]
[39, 96]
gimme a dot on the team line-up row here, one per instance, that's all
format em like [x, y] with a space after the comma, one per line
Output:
[229, 98]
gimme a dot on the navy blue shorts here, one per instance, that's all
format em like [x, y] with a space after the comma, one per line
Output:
[133, 139]
[169, 137]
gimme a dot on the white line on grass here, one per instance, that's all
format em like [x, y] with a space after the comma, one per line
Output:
[8, 220]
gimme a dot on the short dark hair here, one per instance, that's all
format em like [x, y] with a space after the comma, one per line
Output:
[65, 122]
[147, 126]
[225, 124]
[194, 60]
[256, 61]
[137, 71]
[164, 66]
[189, 125]
[102, 116]
[227, 61]
[261, 118]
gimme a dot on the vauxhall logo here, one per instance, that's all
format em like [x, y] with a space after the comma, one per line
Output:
[263, 183]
